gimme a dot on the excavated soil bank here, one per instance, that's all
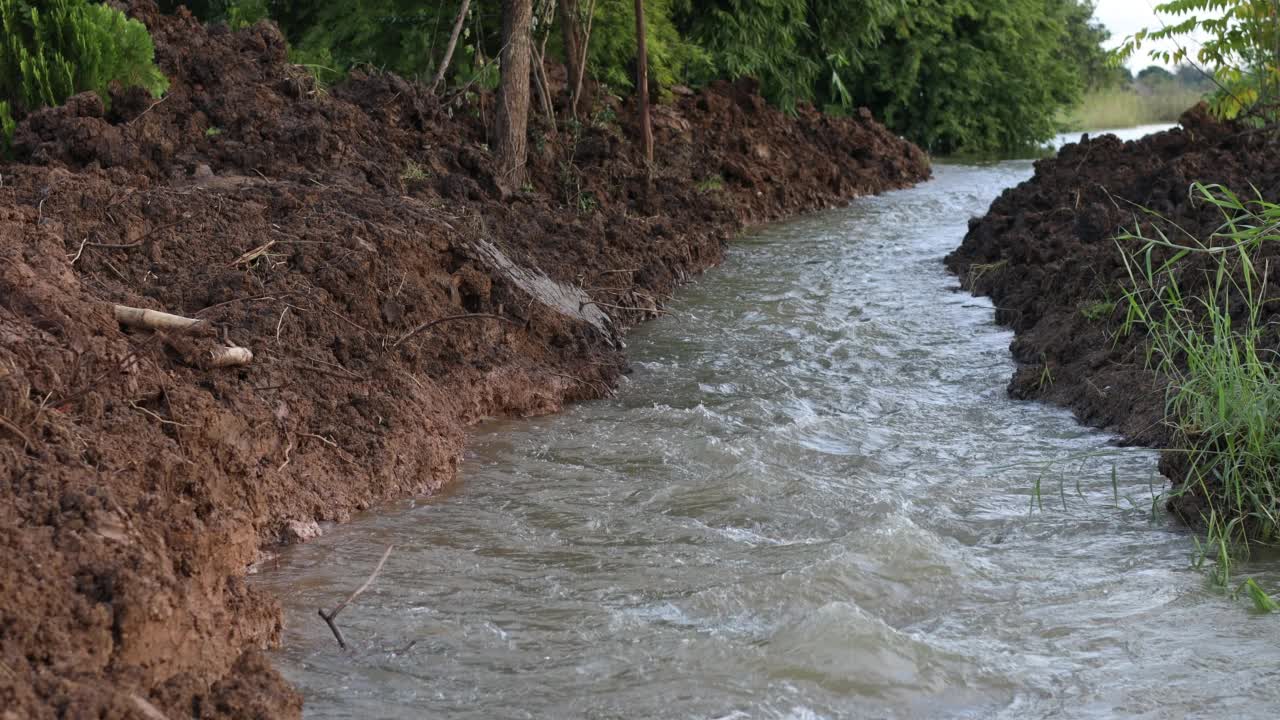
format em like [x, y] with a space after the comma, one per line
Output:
[1045, 253]
[317, 228]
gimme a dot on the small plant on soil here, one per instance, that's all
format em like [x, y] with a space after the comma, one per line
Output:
[53, 50]
[1046, 375]
[976, 271]
[711, 184]
[1202, 306]
[604, 117]
[1100, 310]
[414, 172]
[213, 132]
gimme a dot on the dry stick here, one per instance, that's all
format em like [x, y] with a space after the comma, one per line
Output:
[453, 43]
[16, 431]
[280, 323]
[149, 109]
[81, 250]
[251, 298]
[162, 421]
[437, 321]
[330, 618]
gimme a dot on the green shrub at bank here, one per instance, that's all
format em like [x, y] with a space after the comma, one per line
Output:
[52, 50]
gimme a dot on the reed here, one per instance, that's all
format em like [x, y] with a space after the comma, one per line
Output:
[1123, 108]
[1206, 314]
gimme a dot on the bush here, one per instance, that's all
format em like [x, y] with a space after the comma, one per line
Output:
[53, 50]
[1209, 321]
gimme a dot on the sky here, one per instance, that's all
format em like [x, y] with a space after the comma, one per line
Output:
[1125, 17]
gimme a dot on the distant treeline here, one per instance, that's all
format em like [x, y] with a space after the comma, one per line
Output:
[952, 75]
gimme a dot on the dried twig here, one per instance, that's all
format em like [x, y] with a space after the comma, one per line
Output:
[254, 254]
[287, 458]
[437, 321]
[16, 431]
[150, 107]
[330, 618]
[81, 250]
[321, 438]
[280, 323]
[163, 421]
[266, 296]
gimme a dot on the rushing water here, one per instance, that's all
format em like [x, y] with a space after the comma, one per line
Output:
[812, 499]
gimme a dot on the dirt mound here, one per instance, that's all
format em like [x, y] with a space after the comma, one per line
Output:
[319, 228]
[1046, 256]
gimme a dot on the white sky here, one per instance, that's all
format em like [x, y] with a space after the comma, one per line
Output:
[1125, 17]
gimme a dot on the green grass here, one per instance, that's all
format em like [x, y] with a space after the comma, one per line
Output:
[978, 270]
[1224, 397]
[414, 172]
[1123, 108]
[1100, 310]
[711, 184]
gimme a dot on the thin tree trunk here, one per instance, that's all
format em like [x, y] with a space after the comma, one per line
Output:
[540, 79]
[577, 42]
[512, 121]
[642, 84]
[453, 43]
[568, 11]
[582, 56]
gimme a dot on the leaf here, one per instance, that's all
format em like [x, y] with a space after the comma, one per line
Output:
[1262, 602]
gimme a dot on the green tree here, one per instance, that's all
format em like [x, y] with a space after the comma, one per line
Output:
[1154, 75]
[959, 76]
[1241, 52]
[799, 50]
[53, 50]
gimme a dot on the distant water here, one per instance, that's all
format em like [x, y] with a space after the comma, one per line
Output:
[1133, 133]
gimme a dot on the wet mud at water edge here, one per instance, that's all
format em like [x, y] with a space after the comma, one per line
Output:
[811, 499]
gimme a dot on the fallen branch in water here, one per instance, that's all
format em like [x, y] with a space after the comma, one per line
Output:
[330, 618]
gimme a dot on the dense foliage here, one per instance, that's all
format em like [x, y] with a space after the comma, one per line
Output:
[953, 75]
[52, 50]
[967, 76]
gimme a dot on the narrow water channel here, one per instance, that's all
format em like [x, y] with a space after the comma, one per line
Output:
[812, 499]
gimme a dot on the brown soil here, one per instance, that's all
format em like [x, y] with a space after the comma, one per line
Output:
[315, 227]
[1045, 253]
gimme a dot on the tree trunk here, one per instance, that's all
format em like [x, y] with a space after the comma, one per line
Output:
[642, 84]
[568, 10]
[511, 124]
[453, 43]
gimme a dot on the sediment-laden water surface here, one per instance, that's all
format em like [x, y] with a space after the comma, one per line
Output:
[812, 499]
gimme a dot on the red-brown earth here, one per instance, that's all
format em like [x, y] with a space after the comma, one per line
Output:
[317, 227]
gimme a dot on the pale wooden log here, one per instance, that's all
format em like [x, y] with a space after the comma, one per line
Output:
[230, 357]
[153, 319]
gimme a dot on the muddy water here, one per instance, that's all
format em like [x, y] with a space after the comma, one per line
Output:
[812, 499]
